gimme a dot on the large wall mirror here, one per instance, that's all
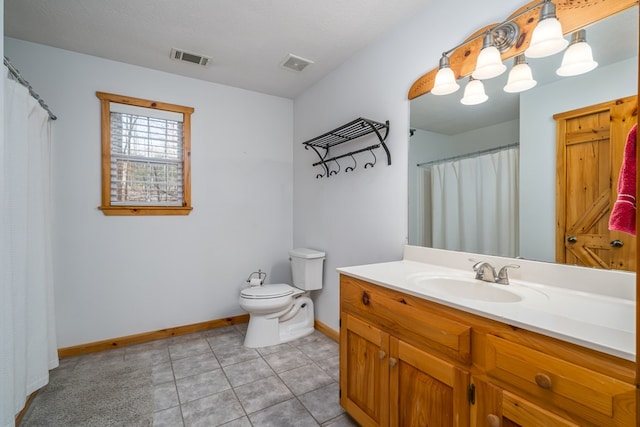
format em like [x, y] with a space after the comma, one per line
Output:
[515, 128]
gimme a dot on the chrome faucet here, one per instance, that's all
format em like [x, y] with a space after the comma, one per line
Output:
[487, 273]
[484, 271]
[503, 277]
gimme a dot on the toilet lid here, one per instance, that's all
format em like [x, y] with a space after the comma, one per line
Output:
[267, 291]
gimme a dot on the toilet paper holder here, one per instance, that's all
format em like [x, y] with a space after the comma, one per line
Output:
[259, 275]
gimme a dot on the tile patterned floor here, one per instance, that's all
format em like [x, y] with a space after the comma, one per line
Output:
[211, 379]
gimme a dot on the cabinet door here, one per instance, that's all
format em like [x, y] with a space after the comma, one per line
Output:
[364, 372]
[495, 407]
[425, 390]
[590, 146]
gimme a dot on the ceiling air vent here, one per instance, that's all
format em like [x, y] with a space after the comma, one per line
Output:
[194, 58]
[295, 63]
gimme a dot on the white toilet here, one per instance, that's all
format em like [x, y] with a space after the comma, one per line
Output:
[280, 313]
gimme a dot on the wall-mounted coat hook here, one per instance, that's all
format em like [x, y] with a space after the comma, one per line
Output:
[333, 172]
[372, 164]
[321, 175]
[355, 164]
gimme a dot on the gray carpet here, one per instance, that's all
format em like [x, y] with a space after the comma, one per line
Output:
[92, 396]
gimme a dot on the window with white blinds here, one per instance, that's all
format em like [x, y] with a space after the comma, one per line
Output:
[146, 152]
[146, 159]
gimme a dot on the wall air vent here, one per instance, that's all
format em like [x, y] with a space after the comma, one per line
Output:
[194, 58]
[295, 63]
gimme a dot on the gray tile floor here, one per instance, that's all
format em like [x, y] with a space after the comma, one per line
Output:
[210, 379]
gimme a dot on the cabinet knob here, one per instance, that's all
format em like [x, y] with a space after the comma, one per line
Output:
[572, 239]
[393, 362]
[365, 298]
[382, 354]
[493, 420]
[543, 381]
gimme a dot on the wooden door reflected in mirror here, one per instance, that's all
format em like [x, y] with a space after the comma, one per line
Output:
[590, 147]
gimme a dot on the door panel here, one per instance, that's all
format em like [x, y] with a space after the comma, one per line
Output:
[425, 390]
[364, 372]
[590, 144]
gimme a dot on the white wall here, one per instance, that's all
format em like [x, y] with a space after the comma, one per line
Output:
[538, 146]
[361, 216]
[117, 276]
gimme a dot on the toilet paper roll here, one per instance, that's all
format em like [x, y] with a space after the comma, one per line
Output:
[254, 281]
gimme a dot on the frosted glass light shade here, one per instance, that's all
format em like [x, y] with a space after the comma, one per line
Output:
[474, 93]
[578, 59]
[520, 77]
[445, 82]
[547, 39]
[489, 64]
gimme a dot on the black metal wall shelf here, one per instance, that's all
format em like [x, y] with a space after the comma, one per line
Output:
[346, 133]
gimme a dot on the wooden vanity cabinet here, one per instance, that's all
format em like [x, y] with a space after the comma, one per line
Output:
[406, 361]
[386, 376]
[388, 382]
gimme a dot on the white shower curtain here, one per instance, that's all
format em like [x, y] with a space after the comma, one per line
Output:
[27, 345]
[475, 204]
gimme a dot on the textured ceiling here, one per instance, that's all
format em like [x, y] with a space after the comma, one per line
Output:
[247, 40]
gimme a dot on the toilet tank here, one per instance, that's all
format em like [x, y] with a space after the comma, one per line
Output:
[306, 267]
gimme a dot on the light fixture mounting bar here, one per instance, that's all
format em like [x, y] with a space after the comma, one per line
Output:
[505, 36]
[502, 26]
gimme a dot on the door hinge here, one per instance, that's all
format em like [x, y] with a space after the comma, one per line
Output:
[471, 394]
[340, 322]
[340, 393]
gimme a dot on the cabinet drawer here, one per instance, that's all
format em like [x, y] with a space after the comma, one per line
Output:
[407, 317]
[591, 395]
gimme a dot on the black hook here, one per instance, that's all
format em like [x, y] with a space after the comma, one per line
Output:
[366, 165]
[321, 175]
[336, 171]
[350, 168]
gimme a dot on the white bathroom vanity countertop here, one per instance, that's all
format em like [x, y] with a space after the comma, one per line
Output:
[601, 321]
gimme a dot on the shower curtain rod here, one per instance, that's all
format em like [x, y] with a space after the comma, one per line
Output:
[470, 155]
[16, 74]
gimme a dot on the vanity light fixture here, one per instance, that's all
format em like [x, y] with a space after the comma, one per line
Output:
[547, 38]
[489, 63]
[578, 58]
[445, 82]
[474, 93]
[520, 76]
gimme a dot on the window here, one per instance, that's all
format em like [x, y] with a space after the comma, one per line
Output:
[146, 157]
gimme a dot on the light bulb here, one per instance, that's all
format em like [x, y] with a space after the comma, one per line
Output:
[489, 63]
[520, 76]
[578, 59]
[445, 82]
[474, 93]
[547, 38]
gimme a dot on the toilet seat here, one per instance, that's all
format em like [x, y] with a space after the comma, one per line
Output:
[267, 291]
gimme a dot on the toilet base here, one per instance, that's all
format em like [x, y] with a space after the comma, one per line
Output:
[294, 323]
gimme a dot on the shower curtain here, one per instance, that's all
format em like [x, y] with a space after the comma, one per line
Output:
[27, 344]
[474, 204]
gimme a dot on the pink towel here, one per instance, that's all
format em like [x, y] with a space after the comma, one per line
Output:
[623, 214]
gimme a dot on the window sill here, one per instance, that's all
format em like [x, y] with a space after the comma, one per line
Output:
[144, 210]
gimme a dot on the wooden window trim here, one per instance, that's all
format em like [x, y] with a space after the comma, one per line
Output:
[105, 131]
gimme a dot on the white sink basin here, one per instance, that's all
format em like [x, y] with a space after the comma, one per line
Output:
[470, 289]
